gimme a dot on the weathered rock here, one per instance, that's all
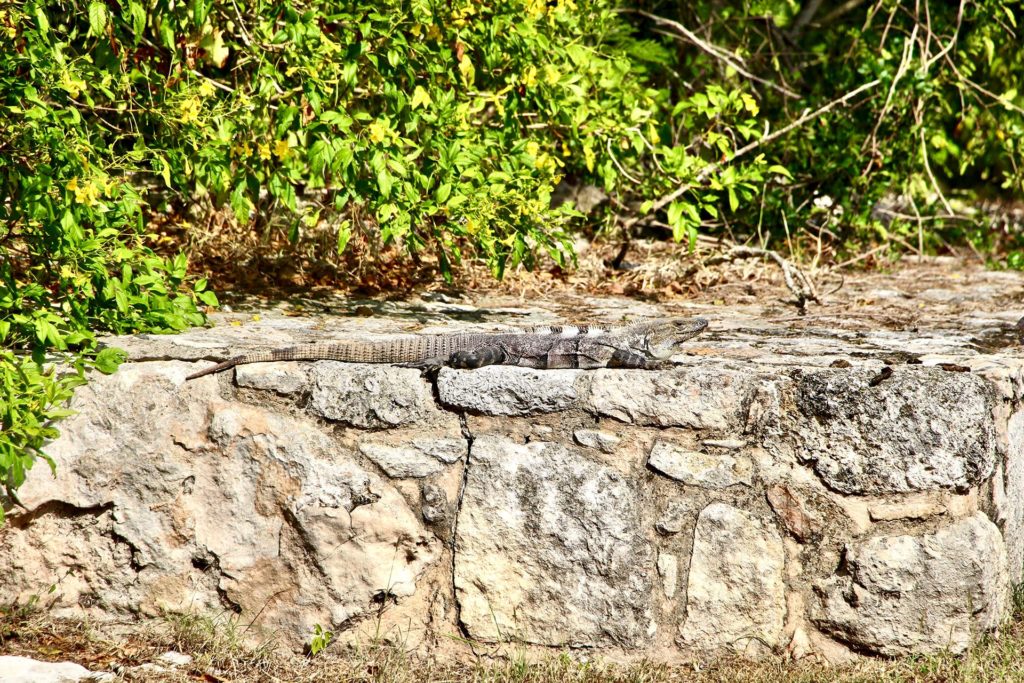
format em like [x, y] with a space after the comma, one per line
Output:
[715, 471]
[551, 549]
[920, 429]
[675, 517]
[504, 390]
[26, 670]
[1008, 496]
[372, 396]
[903, 594]
[281, 377]
[434, 503]
[164, 508]
[735, 596]
[699, 398]
[793, 513]
[599, 439]
[919, 508]
[422, 458]
[668, 570]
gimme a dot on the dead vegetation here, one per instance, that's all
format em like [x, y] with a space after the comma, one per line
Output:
[221, 652]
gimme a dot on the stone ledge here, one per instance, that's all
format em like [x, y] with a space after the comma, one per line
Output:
[753, 499]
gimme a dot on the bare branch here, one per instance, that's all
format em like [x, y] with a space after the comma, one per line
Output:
[711, 168]
[713, 50]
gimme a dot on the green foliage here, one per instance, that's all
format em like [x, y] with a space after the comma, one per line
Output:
[947, 116]
[73, 255]
[321, 639]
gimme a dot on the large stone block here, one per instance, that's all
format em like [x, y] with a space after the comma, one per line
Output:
[170, 498]
[373, 396]
[551, 549]
[504, 390]
[699, 398]
[901, 594]
[918, 430]
[735, 595]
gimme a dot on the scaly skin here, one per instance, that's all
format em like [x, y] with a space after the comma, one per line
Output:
[636, 345]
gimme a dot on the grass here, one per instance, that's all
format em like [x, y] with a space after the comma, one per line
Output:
[220, 653]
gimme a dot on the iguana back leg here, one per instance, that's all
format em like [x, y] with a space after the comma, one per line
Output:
[477, 358]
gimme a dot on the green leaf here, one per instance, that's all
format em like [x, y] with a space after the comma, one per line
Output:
[98, 18]
[208, 298]
[138, 15]
[41, 20]
[109, 359]
[443, 192]
[384, 182]
[344, 234]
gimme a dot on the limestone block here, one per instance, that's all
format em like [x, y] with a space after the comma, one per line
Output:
[903, 594]
[920, 429]
[506, 390]
[15, 669]
[421, 458]
[1008, 496]
[281, 377]
[372, 396]
[599, 439]
[735, 596]
[551, 549]
[695, 397]
[714, 471]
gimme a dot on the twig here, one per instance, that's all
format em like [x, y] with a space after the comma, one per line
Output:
[796, 281]
[908, 54]
[711, 49]
[860, 257]
[928, 168]
[711, 168]
[619, 166]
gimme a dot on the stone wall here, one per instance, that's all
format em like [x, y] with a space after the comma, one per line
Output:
[820, 495]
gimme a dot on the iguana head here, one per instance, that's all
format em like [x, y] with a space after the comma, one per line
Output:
[662, 338]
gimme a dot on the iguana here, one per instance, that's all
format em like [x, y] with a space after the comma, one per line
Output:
[635, 345]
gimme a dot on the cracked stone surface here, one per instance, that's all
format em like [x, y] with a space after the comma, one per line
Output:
[551, 549]
[753, 496]
[900, 593]
[735, 597]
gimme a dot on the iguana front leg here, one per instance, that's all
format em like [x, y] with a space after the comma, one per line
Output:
[623, 358]
[477, 358]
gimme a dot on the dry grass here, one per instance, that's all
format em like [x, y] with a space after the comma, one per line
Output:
[220, 654]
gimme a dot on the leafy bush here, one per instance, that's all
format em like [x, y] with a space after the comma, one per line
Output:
[73, 254]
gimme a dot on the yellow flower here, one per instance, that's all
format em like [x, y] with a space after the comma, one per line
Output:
[264, 151]
[551, 74]
[378, 132]
[282, 149]
[589, 157]
[206, 89]
[434, 32]
[529, 77]
[87, 194]
[241, 150]
[536, 8]
[189, 110]
[532, 148]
